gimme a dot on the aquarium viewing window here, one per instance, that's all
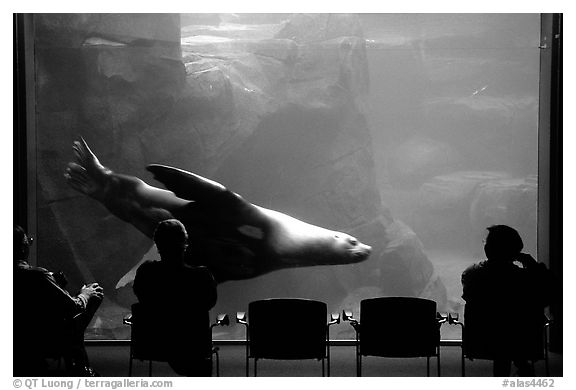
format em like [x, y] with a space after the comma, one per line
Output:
[410, 132]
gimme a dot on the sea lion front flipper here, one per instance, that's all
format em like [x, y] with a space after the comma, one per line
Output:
[209, 193]
[187, 185]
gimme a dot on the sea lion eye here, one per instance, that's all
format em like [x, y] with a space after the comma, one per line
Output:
[353, 241]
[336, 236]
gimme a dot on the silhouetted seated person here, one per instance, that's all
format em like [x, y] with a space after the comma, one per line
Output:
[505, 299]
[179, 296]
[48, 321]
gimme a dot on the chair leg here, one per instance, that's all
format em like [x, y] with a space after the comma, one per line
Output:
[545, 334]
[255, 367]
[217, 364]
[546, 363]
[130, 366]
[359, 365]
[68, 363]
[438, 361]
[327, 354]
[427, 365]
[247, 359]
[150, 368]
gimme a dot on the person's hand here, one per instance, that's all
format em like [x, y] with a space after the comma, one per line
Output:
[526, 260]
[93, 290]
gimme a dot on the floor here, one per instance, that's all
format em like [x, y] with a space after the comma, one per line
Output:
[112, 361]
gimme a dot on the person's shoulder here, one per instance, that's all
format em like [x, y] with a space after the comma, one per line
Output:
[198, 270]
[32, 270]
[149, 266]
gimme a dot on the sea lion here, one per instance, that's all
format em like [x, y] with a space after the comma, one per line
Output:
[235, 239]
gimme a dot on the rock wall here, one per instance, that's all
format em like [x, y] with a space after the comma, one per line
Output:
[273, 111]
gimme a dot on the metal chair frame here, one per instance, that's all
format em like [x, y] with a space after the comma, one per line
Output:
[221, 320]
[348, 316]
[453, 319]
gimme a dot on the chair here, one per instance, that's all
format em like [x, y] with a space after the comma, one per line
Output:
[287, 329]
[33, 351]
[521, 336]
[399, 327]
[41, 333]
[147, 341]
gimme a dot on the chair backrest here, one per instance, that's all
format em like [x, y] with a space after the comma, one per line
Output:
[162, 336]
[512, 332]
[286, 329]
[398, 327]
[39, 329]
[147, 333]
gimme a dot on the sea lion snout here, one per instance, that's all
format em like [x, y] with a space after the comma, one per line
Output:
[362, 252]
[354, 250]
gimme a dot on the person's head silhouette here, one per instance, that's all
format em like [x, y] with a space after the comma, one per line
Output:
[502, 243]
[21, 244]
[171, 240]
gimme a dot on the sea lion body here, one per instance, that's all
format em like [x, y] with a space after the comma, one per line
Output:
[232, 237]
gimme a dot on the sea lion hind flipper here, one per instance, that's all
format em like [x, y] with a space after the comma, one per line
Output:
[186, 185]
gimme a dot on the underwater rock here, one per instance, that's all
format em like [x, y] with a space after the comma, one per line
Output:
[398, 266]
[510, 202]
[274, 112]
[454, 191]
[106, 77]
[405, 269]
[420, 158]
[309, 28]
[459, 207]
[502, 127]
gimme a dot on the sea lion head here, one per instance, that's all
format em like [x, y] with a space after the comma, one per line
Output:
[350, 248]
